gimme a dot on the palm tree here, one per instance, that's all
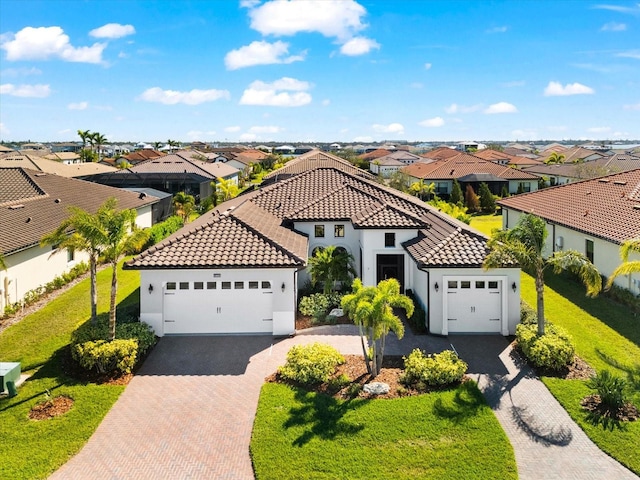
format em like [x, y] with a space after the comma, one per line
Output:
[421, 189]
[83, 231]
[628, 266]
[123, 237]
[330, 265]
[172, 143]
[183, 205]
[84, 135]
[524, 244]
[225, 189]
[371, 308]
[555, 157]
[97, 141]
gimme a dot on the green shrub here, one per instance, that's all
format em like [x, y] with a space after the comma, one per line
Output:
[162, 230]
[418, 320]
[117, 356]
[553, 350]
[319, 304]
[338, 383]
[527, 314]
[611, 390]
[432, 370]
[310, 364]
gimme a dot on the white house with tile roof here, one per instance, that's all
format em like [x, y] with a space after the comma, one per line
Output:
[238, 269]
[592, 216]
[34, 203]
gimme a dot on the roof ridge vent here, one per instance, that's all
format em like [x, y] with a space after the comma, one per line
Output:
[619, 182]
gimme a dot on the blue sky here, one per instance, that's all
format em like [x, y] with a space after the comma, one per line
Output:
[318, 71]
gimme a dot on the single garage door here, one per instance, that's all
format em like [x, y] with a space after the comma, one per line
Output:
[218, 307]
[474, 305]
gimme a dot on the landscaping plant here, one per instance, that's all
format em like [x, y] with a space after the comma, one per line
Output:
[310, 364]
[554, 350]
[433, 370]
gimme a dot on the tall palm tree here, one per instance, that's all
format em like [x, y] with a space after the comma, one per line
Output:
[371, 308]
[555, 157]
[225, 189]
[123, 237]
[627, 267]
[330, 265]
[524, 244]
[84, 136]
[97, 141]
[183, 205]
[83, 231]
[172, 143]
[421, 189]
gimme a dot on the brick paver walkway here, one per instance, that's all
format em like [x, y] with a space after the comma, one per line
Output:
[189, 412]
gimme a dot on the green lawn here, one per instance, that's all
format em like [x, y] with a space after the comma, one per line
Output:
[445, 435]
[486, 223]
[36, 449]
[607, 336]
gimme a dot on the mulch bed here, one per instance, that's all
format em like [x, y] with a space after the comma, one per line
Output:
[628, 413]
[51, 408]
[304, 321]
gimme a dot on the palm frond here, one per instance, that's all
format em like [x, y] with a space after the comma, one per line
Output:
[576, 262]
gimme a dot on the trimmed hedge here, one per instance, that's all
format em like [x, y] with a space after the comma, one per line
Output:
[116, 356]
[310, 364]
[553, 350]
[318, 305]
[438, 369]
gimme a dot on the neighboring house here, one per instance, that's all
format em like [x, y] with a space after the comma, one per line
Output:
[372, 155]
[284, 150]
[68, 158]
[34, 203]
[34, 162]
[238, 269]
[405, 157]
[177, 172]
[440, 153]
[160, 210]
[66, 147]
[141, 155]
[385, 166]
[471, 170]
[503, 158]
[592, 216]
[469, 145]
[6, 149]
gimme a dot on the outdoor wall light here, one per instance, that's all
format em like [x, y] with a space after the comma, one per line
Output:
[436, 286]
[150, 288]
[514, 286]
[283, 287]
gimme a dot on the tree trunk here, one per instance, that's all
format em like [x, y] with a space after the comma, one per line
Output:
[374, 354]
[112, 304]
[540, 298]
[365, 354]
[93, 272]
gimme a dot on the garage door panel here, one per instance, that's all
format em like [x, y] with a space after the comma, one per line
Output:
[474, 305]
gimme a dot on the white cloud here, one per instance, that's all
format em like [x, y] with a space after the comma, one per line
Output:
[635, 54]
[455, 108]
[396, 128]
[277, 94]
[249, 3]
[193, 97]
[599, 129]
[265, 129]
[78, 106]
[555, 89]
[260, 53]
[432, 122]
[363, 139]
[616, 8]
[30, 91]
[43, 43]
[614, 27]
[19, 72]
[112, 30]
[500, 107]
[501, 29]
[427, 66]
[232, 129]
[359, 46]
[332, 18]
[635, 106]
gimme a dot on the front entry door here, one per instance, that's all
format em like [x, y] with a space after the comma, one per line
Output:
[390, 266]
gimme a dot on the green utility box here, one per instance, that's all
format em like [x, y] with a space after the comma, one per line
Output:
[9, 376]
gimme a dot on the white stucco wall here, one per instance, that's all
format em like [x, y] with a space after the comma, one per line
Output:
[606, 255]
[234, 306]
[372, 242]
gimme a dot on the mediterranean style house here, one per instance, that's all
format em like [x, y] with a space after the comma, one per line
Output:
[238, 268]
[34, 203]
[593, 217]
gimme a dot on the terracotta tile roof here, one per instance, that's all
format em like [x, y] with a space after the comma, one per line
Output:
[183, 162]
[606, 207]
[432, 248]
[15, 159]
[142, 155]
[380, 152]
[246, 236]
[585, 170]
[44, 200]
[388, 161]
[495, 156]
[315, 159]
[462, 165]
[440, 153]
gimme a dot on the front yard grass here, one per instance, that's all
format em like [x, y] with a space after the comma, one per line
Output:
[450, 434]
[486, 223]
[607, 336]
[35, 449]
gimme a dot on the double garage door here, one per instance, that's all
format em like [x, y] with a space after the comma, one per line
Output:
[474, 305]
[218, 307]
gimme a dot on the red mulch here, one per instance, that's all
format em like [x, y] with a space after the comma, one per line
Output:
[51, 408]
[303, 321]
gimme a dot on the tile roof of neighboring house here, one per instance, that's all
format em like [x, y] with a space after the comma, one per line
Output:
[521, 153]
[248, 232]
[388, 161]
[403, 156]
[553, 147]
[16, 159]
[5, 149]
[246, 159]
[312, 160]
[182, 162]
[241, 237]
[606, 207]
[441, 153]
[380, 152]
[463, 165]
[62, 156]
[593, 168]
[142, 155]
[34, 203]
[496, 156]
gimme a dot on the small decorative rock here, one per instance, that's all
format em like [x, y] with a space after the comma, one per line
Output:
[336, 312]
[376, 388]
